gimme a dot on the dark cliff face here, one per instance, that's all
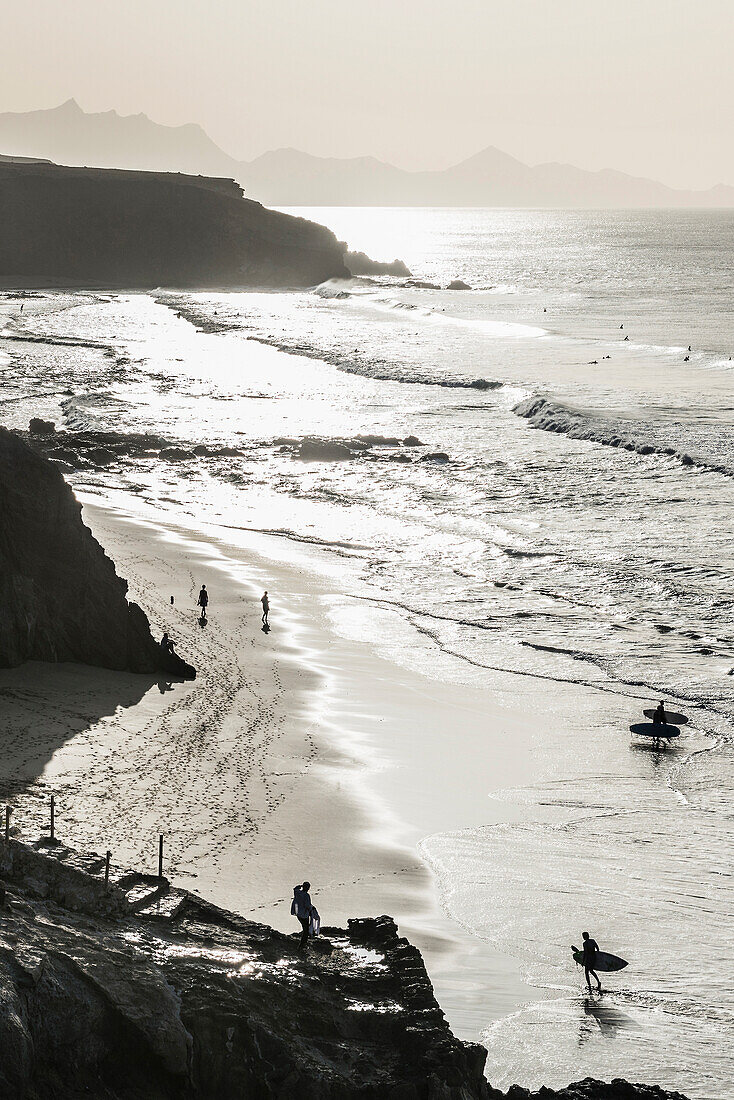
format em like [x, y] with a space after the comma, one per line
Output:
[60, 597]
[139, 990]
[108, 228]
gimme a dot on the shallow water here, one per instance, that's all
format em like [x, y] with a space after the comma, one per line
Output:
[567, 559]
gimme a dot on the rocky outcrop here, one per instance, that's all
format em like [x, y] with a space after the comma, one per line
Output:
[137, 990]
[95, 227]
[61, 598]
[590, 1089]
[359, 263]
[84, 450]
[159, 994]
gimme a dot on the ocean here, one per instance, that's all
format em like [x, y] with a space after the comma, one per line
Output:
[535, 478]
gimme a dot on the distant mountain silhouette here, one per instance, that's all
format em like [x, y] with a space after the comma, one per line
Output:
[288, 177]
[68, 135]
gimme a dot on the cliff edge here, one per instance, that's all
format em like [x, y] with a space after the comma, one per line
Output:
[60, 596]
[96, 227]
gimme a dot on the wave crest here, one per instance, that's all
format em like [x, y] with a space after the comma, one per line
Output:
[552, 416]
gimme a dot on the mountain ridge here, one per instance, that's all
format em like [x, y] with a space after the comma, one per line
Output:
[289, 177]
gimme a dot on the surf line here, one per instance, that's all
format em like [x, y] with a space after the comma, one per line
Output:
[412, 616]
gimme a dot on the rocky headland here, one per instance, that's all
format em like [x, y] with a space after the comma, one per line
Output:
[359, 263]
[132, 988]
[93, 227]
[60, 595]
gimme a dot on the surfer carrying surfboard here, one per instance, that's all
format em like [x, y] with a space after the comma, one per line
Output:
[660, 718]
[590, 950]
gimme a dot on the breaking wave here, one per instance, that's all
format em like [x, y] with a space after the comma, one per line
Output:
[643, 437]
[379, 369]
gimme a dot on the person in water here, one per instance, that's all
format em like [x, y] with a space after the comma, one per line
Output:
[302, 908]
[167, 645]
[266, 607]
[203, 601]
[660, 718]
[590, 950]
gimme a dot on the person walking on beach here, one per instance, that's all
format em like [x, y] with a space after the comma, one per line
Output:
[203, 601]
[660, 718]
[590, 949]
[266, 607]
[302, 908]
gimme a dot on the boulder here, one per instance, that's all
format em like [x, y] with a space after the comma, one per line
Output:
[41, 427]
[175, 454]
[458, 284]
[317, 450]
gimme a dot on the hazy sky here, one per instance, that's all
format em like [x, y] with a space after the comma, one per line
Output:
[640, 85]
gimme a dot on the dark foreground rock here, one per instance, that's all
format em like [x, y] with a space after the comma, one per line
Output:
[60, 596]
[139, 990]
[95, 227]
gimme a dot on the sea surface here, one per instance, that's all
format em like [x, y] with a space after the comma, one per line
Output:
[565, 512]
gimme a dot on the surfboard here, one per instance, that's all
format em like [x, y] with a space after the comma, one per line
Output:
[603, 961]
[646, 729]
[674, 718]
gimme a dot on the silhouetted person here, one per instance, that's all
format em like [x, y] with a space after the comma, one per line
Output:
[266, 608]
[22, 306]
[590, 950]
[660, 718]
[302, 908]
[203, 600]
[626, 337]
[167, 645]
